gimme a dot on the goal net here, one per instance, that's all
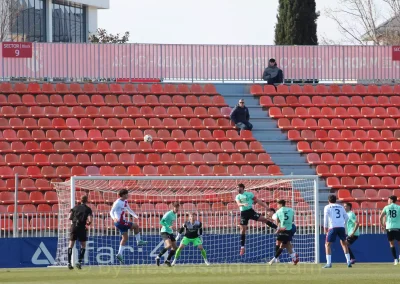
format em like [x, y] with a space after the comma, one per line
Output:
[212, 198]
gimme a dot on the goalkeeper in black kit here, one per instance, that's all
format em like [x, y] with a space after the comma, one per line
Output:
[192, 229]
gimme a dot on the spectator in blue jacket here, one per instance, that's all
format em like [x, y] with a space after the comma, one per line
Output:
[240, 116]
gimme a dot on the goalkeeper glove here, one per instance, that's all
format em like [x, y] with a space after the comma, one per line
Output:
[178, 236]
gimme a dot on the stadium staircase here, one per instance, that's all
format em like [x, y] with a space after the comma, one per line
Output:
[283, 151]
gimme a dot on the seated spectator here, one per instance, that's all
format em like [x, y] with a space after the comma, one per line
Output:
[240, 116]
[272, 74]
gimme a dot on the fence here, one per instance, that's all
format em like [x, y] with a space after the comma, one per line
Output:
[80, 62]
[223, 222]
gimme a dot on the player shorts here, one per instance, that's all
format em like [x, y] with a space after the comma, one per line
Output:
[292, 232]
[78, 233]
[123, 227]
[247, 215]
[393, 234]
[166, 236]
[352, 239]
[284, 236]
[196, 241]
[332, 233]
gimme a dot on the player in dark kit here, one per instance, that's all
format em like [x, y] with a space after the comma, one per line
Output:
[80, 216]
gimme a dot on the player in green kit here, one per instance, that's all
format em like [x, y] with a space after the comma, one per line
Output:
[245, 200]
[392, 213]
[285, 219]
[352, 230]
[167, 234]
[193, 230]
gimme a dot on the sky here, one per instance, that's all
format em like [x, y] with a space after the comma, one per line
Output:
[202, 21]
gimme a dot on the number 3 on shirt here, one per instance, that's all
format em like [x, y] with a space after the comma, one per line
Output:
[337, 213]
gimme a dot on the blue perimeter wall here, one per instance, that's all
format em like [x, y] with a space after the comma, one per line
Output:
[40, 252]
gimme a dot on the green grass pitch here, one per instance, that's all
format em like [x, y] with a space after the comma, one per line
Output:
[215, 274]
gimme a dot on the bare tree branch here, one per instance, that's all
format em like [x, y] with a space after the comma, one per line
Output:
[9, 12]
[360, 21]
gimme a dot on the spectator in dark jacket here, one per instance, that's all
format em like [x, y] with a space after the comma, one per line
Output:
[272, 74]
[240, 116]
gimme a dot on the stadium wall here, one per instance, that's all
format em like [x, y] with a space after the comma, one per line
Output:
[40, 252]
[87, 62]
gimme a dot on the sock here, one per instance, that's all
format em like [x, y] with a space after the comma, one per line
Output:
[81, 254]
[347, 257]
[178, 253]
[242, 239]
[276, 248]
[121, 249]
[272, 225]
[329, 259]
[137, 236]
[393, 252]
[278, 253]
[351, 254]
[164, 250]
[69, 255]
[170, 255]
[273, 259]
[204, 254]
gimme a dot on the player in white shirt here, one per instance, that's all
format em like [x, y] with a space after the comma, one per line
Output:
[117, 213]
[335, 218]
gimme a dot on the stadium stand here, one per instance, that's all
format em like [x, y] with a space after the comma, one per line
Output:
[49, 132]
[349, 133]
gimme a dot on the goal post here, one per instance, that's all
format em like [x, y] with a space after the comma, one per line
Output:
[211, 197]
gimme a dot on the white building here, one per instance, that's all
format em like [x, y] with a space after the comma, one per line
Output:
[55, 20]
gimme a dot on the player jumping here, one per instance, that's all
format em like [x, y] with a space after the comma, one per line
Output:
[117, 213]
[392, 213]
[167, 234]
[80, 216]
[335, 219]
[352, 230]
[193, 230]
[245, 200]
[285, 218]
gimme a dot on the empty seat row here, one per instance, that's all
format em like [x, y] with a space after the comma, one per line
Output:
[349, 135]
[30, 208]
[332, 101]
[65, 171]
[345, 146]
[321, 89]
[368, 194]
[102, 88]
[133, 111]
[338, 123]
[37, 197]
[124, 134]
[103, 123]
[334, 112]
[360, 170]
[130, 146]
[363, 182]
[353, 158]
[133, 159]
[25, 184]
[110, 100]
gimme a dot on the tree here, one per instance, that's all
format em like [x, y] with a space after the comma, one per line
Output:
[9, 12]
[364, 21]
[297, 23]
[102, 36]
